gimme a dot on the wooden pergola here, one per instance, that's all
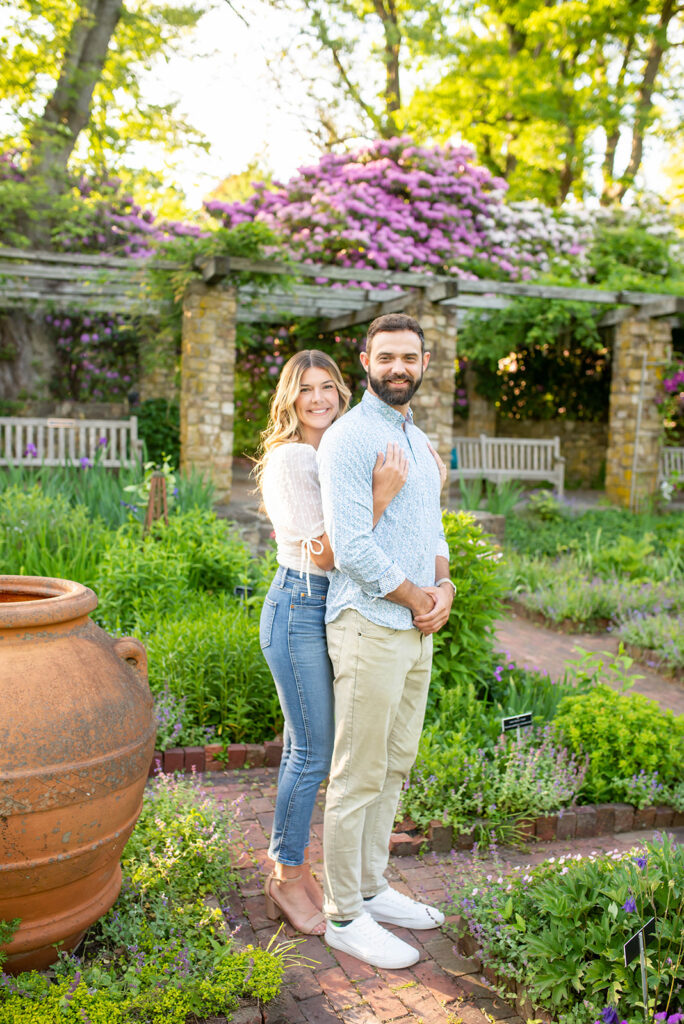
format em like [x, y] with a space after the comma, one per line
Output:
[340, 297]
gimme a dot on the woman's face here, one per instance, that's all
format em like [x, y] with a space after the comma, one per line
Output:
[318, 401]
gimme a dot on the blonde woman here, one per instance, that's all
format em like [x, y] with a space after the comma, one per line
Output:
[310, 395]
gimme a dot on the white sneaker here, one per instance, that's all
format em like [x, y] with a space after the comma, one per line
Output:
[394, 907]
[367, 941]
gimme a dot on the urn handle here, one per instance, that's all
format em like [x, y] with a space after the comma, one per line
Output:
[131, 650]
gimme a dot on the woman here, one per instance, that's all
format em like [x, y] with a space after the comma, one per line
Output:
[309, 397]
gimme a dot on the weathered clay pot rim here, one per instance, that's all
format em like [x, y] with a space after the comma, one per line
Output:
[55, 601]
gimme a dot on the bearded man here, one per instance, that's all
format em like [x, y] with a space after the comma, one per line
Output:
[389, 592]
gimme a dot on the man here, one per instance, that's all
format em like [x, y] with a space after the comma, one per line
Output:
[389, 591]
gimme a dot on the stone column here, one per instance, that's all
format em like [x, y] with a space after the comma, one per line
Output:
[433, 404]
[158, 363]
[641, 348]
[481, 412]
[207, 383]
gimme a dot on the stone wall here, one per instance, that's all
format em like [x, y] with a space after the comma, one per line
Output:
[207, 383]
[27, 356]
[159, 365]
[583, 445]
[433, 404]
[641, 350]
[481, 412]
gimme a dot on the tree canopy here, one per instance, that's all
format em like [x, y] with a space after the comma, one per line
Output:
[70, 81]
[558, 97]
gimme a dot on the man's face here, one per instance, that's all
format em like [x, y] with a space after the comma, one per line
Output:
[395, 366]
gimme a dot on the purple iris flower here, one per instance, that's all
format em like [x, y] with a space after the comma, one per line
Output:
[84, 462]
[610, 1015]
[629, 905]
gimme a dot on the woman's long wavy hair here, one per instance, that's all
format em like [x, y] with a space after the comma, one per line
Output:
[283, 424]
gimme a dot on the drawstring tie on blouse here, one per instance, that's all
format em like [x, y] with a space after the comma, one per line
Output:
[305, 565]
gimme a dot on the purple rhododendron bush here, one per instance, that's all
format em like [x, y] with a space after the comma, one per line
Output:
[394, 205]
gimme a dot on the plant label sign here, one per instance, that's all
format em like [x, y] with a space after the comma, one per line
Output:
[516, 722]
[633, 946]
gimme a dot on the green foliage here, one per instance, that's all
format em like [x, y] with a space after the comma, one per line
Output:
[162, 955]
[140, 581]
[43, 535]
[35, 50]
[620, 248]
[209, 656]
[159, 428]
[540, 360]
[180, 846]
[464, 647]
[465, 780]
[622, 734]
[560, 928]
[549, 528]
[661, 634]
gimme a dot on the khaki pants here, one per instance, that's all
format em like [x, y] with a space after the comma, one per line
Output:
[381, 684]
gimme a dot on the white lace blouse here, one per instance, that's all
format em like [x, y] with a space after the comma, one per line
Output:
[292, 498]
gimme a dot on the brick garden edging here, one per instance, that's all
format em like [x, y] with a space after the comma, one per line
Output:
[206, 759]
[582, 822]
[571, 823]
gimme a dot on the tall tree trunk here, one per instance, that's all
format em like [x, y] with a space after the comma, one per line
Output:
[644, 102]
[610, 189]
[387, 12]
[67, 112]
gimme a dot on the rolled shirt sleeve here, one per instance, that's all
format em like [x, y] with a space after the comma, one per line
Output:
[346, 479]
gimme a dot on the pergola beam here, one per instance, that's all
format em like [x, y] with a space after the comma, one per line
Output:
[364, 314]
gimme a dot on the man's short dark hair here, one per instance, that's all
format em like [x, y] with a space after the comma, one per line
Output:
[394, 322]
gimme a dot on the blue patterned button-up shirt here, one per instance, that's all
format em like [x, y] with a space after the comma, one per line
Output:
[370, 563]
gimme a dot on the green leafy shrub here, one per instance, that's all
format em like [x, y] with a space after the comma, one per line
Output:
[536, 535]
[142, 581]
[162, 954]
[159, 428]
[622, 734]
[464, 648]
[211, 659]
[43, 535]
[559, 929]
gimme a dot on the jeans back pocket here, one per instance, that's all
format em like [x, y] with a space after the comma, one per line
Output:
[266, 622]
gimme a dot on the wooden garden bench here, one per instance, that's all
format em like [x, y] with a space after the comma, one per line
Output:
[54, 441]
[508, 458]
[671, 461]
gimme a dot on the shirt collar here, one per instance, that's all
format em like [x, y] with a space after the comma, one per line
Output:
[374, 404]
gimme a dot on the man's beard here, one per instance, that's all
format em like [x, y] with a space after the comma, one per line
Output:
[394, 396]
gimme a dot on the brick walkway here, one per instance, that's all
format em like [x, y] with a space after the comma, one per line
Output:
[442, 988]
[536, 647]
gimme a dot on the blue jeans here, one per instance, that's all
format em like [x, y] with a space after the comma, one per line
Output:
[292, 636]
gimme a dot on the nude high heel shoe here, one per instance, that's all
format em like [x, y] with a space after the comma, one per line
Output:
[274, 911]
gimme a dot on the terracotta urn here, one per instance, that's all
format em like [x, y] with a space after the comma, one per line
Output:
[77, 733]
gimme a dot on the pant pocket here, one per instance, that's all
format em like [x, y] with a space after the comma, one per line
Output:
[266, 622]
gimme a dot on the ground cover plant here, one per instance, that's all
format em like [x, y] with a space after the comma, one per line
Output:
[163, 952]
[559, 930]
[602, 569]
